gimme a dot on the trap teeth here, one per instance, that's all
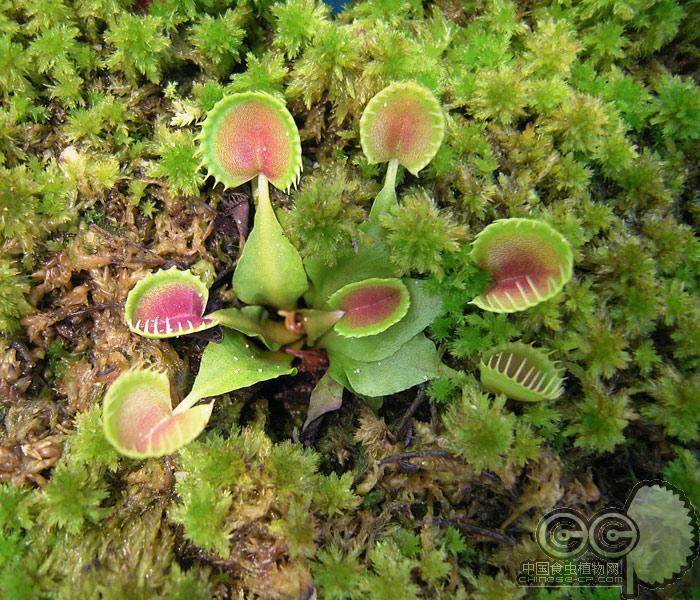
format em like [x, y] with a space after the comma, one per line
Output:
[521, 372]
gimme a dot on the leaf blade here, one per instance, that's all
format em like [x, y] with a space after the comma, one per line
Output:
[232, 364]
[270, 270]
[254, 321]
[414, 363]
[327, 396]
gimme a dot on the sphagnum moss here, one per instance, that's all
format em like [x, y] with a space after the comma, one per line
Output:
[581, 115]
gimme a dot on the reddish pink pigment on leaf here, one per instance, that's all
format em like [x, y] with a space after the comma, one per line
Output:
[252, 140]
[163, 432]
[401, 130]
[368, 306]
[141, 412]
[521, 269]
[170, 307]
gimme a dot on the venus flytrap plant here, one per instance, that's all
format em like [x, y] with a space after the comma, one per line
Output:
[367, 320]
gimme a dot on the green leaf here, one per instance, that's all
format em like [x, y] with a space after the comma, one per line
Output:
[370, 306]
[316, 323]
[424, 307]
[325, 397]
[233, 364]
[528, 260]
[269, 270]
[337, 372]
[138, 417]
[415, 362]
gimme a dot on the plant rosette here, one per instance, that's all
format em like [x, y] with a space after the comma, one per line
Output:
[368, 321]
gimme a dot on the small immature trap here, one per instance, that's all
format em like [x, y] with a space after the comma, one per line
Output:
[370, 306]
[521, 372]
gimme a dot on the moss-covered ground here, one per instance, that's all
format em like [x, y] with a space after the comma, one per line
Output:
[585, 114]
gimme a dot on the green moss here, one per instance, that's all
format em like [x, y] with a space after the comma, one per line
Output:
[479, 429]
[419, 236]
[324, 220]
[292, 469]
[339, 576]
[391, 577]
[178, 162]
[677, 108]
[334, 495]
[203, 515]
[434, 565]
[297, 529]
[73, 498]
[88, 445]
[263, 74]
[14, 509]
[499, 96]
[330, 66]
[684, 473]
[218, 40]
[296, 23]
[676, 404]
[600, 418]
[139, 45]
[13, 287]
[491, 588]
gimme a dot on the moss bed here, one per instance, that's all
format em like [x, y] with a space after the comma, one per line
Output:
[584, 114]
